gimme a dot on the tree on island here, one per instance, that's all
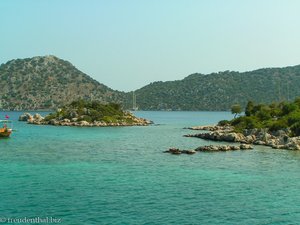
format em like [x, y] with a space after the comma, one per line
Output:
[236, 109]
[249, 108]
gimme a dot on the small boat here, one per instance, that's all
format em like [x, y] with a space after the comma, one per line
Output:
[5, 129]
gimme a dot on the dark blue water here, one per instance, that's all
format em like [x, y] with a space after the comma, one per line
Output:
[120, 176]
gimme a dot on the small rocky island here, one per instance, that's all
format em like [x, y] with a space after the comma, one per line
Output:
[87, 114]
[276, 125]
[209, 148]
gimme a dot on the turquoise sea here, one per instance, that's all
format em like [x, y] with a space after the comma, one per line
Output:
[119, 175]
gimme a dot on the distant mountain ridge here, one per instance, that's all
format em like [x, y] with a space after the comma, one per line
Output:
[219, 91]
[47, 82]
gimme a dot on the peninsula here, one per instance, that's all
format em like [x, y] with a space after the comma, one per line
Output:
[276, 125]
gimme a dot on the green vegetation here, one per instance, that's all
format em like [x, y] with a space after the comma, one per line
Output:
[275, 116]
[219, 91]
[236, 109]
[91, 111]
[49, 82]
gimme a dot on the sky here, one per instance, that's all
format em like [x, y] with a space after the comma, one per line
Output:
[126, 44]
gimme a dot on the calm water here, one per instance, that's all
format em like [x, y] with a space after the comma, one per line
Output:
[120, 176]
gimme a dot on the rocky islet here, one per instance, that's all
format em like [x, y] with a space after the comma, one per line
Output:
[37, 119]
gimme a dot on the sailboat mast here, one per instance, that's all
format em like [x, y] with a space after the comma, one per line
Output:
[134, 107]
[133, 101]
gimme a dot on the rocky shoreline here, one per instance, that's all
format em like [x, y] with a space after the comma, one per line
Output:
[37, 119]
[278, 140]
[211, 128]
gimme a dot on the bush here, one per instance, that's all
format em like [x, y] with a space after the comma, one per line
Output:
[115, 106]
[50, 116]
[246, 122]
[109, 119]
[251, 123]
[296, 129]
[278, 125]
[86, 118]
[288, 108]
[297, 101]
[264, 113]
[249, 108]
[224, 123]
[294, 117]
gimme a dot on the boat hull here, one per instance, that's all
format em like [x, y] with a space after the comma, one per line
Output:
[5, 133]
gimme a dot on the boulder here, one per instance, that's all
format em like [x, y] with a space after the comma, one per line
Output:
[234, 147]
[84, 123]
[37, 117]
[272, 142]
[279, 146]
[250, 139]
[25, 117]
[293, 143]
[258, 142]
[189, 152]
[66, 120]
[245, 146]
[53, 122]
[177, 151]
[174, 151]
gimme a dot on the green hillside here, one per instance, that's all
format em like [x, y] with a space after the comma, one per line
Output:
[48, 82]
[218, 91]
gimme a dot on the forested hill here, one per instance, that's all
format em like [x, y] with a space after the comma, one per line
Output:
[48, 82]
[219, 91]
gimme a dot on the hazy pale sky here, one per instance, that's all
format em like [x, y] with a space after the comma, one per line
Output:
[126, 44]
